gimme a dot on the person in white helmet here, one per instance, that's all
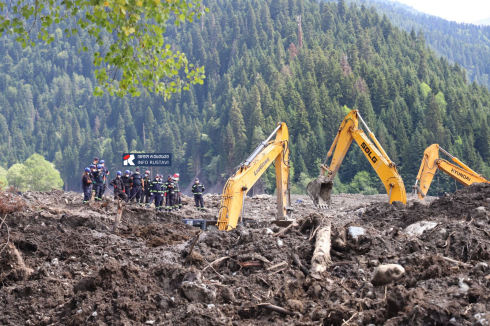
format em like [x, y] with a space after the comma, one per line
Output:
[197, 189]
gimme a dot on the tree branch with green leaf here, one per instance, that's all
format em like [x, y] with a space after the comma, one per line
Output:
[130, 34]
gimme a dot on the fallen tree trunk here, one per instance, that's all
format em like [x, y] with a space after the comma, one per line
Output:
[321, 256]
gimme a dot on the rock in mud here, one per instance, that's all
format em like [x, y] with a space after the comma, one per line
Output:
[227, 295]
[295, 305]
[419, 228]
[198, 292]
[482, 319]
[416, 201]
[195, 290]
[481, 267]
[385, 274]
[480, 212]
[463, 286]
[355, 231]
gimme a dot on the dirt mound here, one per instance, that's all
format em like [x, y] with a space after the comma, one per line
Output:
[64, 265]
[465, 204]
[162, 234]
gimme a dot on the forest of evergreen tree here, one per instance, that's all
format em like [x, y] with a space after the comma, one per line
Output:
[466, 44]
[260, 71]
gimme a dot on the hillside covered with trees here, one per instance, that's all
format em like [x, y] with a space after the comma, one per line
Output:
[466, 44]
[261, 69]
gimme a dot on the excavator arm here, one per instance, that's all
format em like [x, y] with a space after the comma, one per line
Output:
[320, 188]
[247, 174]
[431, 163]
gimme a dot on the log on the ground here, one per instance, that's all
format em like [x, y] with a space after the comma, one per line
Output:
[321, 256]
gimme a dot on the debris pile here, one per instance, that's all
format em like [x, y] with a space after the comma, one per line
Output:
[353, 264]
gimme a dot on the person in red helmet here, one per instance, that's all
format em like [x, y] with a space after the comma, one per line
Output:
[169, 193]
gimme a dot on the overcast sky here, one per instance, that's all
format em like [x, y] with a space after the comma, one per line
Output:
[467, 11]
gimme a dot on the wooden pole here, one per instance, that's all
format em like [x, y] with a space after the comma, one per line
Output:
[118, 215]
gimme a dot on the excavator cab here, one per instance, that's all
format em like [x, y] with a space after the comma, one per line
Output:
[320, 189]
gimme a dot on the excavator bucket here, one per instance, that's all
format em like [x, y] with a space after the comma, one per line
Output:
[320, 191]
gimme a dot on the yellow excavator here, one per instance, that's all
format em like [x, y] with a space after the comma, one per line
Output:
[247, 174]
[320, 189]
[431, 163]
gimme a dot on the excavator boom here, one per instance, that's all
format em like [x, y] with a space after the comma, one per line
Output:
[431, 163]
[320, 189]
[247, 174]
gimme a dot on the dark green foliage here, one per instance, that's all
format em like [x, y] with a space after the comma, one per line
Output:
[466, 44]
[257, 75]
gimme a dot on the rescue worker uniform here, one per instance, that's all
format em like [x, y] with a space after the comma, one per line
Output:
[119, 189]
[93, 170]
[155, 189]
[169, 194]
[160, 194]
[136, 184]
[87, 186]
[197, 189]
[145, 196]
[99, 180]
[93, 166]
[177, 198]
[106, 174]
[127, 185]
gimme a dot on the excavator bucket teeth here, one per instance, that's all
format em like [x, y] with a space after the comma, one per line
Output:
[320, 191]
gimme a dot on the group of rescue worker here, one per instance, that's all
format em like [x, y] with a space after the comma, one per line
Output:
[134, 187]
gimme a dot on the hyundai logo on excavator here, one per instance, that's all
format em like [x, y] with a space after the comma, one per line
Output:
[369, 152]
[461, 174]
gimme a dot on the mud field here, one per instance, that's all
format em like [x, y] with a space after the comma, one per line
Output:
[62, 264]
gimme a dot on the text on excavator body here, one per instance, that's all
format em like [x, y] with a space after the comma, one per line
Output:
[261, 166]
[461, 174]
[368, 151]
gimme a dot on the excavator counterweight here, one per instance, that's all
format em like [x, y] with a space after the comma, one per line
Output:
[320, 189]
[249, 171]
[431, 163]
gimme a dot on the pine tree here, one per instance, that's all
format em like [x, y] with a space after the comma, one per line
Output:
[423, 67]
[342, 9]
[483, 141]
[238, 127]
[256, 116]
[433, 119]
[229, 140]
[120, 130]
[327, 18]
